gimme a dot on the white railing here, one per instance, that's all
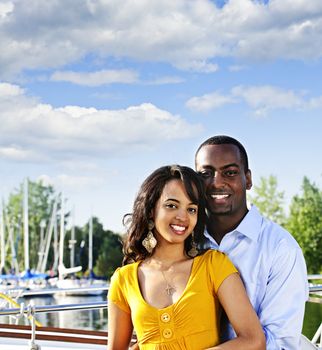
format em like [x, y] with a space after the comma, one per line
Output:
[317, 338]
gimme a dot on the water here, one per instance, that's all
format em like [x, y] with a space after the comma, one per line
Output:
[97, 319]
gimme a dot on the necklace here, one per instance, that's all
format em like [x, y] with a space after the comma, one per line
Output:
[169, 288]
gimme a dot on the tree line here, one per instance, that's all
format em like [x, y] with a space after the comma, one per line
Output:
[304, 217]
[303, 221]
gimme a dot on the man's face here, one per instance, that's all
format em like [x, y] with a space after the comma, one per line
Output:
[223, 173]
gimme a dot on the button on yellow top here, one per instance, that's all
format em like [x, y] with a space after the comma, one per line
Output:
[167, 333]
[165, 317]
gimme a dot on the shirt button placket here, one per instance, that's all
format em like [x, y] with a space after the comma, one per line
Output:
[165, 317]
[167, 333]
[166, 325]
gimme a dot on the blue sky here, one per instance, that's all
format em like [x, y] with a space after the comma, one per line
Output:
[94, 97]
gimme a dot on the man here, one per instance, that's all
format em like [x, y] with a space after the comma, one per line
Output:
[268, 258]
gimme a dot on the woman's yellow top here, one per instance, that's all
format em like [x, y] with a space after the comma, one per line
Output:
[192, 322]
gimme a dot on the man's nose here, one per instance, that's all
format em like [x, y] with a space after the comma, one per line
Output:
[218, 180]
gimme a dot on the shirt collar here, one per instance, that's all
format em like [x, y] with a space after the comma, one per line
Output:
[250, 226]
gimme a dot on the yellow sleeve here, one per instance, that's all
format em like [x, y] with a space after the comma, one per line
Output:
[219, 267]
[117, 291]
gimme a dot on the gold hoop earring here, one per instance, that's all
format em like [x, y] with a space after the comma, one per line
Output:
[193, 250]
[149, 241]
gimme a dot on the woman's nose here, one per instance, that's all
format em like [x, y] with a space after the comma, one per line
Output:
[181, 214]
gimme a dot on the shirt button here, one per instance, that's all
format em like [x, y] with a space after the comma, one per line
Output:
[167, 333]
[165, 317]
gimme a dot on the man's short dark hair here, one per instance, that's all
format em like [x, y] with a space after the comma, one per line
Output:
[227, 140]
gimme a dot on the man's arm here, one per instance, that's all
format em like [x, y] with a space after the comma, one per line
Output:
[282, 309]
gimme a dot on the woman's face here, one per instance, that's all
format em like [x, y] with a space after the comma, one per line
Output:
[175, 216]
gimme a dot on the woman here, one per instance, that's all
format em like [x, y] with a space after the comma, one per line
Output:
[169, 294]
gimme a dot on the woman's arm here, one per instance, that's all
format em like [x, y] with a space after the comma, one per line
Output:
[234, 300]
[120, 328]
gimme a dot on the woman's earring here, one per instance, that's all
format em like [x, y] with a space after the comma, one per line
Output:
[193, 250]
[149, 241]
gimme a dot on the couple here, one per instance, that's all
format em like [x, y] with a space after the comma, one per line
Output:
[175, 295]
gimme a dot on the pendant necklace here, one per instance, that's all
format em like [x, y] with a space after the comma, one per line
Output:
[169, 288]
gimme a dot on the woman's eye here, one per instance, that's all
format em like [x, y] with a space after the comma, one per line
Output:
[193, 210]
[170, 206]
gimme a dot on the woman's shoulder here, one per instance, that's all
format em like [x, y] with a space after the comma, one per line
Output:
[218, 266]
[213, 254]
[214, 257]
[209, 257]
[126, 270]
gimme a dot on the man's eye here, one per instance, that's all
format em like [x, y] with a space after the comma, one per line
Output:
[231, 172]
[206, 174]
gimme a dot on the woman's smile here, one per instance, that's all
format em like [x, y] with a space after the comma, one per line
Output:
[178, 229]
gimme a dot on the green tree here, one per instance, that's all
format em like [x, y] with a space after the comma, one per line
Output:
[83, 236]
[107, 249]
[110, 255]
[305, 224]
[269, 200]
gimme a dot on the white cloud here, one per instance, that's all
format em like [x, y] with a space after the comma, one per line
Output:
[209, 101]
[10, 90]
[264, 98]
[260, 99]
[16, 153]
[198, 66]
[98, 78]
[40, 131]
[165, 80]
[5, 8]
[187, 34]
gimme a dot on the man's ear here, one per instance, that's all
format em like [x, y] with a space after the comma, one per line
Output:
[249, 182]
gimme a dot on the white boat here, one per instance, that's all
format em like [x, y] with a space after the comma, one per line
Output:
[77, 286]
[82, 286]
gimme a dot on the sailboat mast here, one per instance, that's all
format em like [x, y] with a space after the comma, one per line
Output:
[2, 241]
[49, 234]
[90, 246]
[62, 234]
[72, 241]
[26, 224]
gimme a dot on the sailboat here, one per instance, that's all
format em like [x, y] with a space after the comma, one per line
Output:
[26, 279]
[77, 286]
[29, 279]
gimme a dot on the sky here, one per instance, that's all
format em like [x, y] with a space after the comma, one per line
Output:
[96, 94]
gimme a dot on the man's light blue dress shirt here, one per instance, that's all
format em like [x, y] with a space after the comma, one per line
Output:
[273, 270]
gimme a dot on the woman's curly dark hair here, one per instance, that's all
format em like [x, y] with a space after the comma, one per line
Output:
[145, 202]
